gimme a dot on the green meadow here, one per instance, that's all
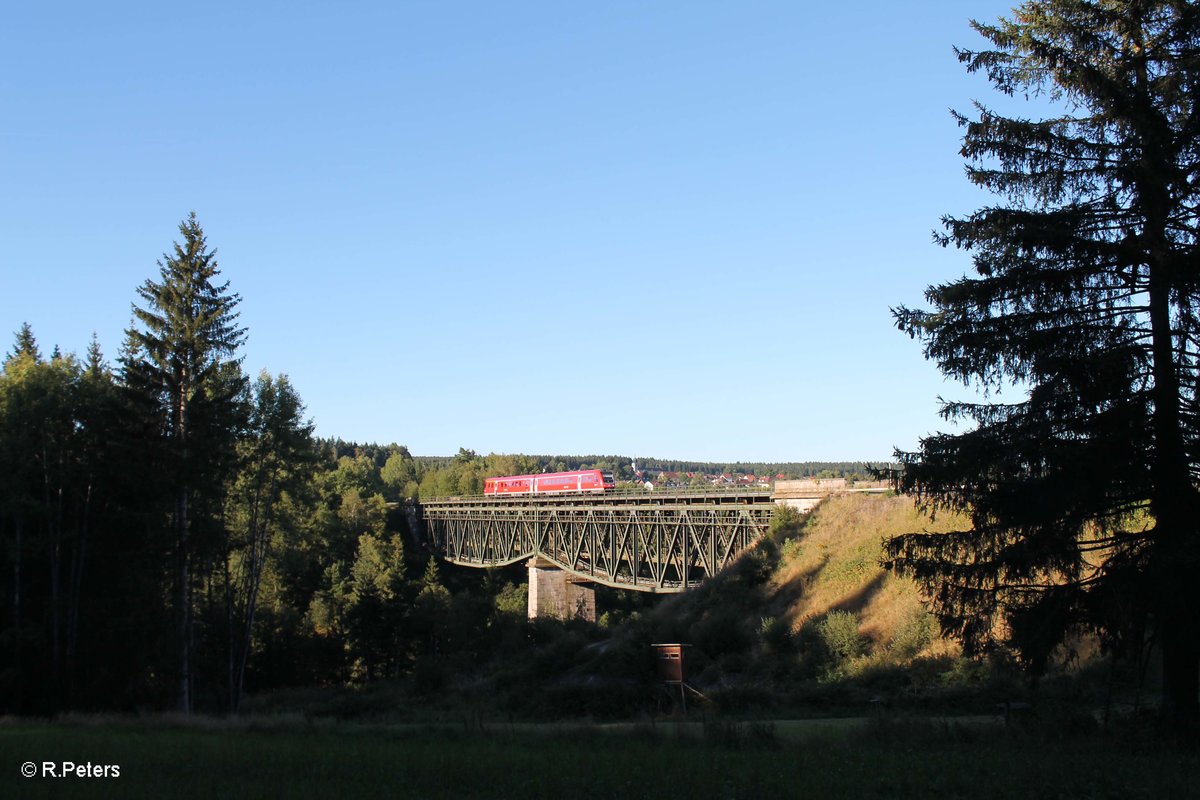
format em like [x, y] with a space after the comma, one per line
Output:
[972, 758]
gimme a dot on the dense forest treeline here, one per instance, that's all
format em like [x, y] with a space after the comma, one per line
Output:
[173, 534]
[625, 468]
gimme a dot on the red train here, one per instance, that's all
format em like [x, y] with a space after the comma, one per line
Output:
[580, 480]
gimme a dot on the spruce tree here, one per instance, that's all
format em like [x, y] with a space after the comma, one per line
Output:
[1081, 489]
[94, 365]
[25, 343]
[181, 354]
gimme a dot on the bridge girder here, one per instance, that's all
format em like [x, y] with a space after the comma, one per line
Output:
[663, 544]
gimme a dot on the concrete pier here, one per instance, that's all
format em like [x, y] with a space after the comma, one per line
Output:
[556, 593]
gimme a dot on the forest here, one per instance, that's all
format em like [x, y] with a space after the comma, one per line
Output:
[174, 534]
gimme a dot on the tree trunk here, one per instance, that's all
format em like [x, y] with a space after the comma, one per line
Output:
[260, 521]
[18, 639]
[231, 692]
[74, 589]
[185, 606]
[54, 538]
[1181, 666]
[1173, 505]
[183, 541]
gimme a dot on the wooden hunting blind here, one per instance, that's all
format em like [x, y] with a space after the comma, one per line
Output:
[670, 661]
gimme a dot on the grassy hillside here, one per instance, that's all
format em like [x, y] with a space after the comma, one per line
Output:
[809, 619]
[832, 564]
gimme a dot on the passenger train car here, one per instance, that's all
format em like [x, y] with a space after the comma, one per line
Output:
[583, 480]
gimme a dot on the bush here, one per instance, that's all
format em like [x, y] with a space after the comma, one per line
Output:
[839, 632]
[791, 550]
[914, 634]
[723, 631]
[513, 599]
[787, 523]
[776, 634]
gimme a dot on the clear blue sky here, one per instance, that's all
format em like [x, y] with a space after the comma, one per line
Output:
[665, 229]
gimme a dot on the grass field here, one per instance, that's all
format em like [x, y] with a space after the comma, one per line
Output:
[160, 759]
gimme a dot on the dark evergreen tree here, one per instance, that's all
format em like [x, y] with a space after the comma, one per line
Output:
[25, 343]
[183, 359]
[1082, 491]
[95, 365]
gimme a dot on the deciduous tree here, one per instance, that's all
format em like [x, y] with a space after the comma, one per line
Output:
[278, 459]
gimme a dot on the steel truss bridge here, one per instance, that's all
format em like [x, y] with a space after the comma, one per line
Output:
[650, 542]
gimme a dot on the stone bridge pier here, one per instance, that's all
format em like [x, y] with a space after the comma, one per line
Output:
[556, 593]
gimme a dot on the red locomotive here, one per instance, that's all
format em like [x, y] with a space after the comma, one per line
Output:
[581, 480]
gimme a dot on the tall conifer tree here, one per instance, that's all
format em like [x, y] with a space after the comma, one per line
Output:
[1082, 492]
[183, 355]
[25, 344]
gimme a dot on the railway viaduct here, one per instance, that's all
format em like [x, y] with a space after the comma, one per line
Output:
[661, 541]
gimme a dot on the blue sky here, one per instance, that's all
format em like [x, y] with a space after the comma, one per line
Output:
[641, 228]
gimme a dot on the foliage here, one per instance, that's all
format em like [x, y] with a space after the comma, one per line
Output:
[277, 460]
[915, 633]
[775, 634]
[839, 633]
[173, 534]
[1085, 302]
[513, 600]
[786, 524]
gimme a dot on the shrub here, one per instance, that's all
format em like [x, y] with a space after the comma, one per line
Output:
[839, 632]
[914, 634]
[723, 631]
[791, 550]
[776, 634]
[787, 523]
[513, 599]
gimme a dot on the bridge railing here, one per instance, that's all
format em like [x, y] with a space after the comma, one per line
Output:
[690, 491]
